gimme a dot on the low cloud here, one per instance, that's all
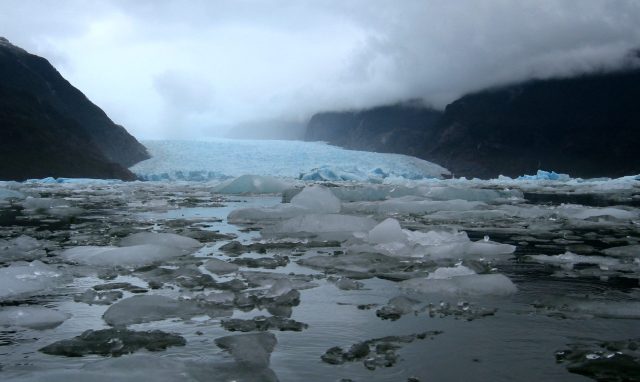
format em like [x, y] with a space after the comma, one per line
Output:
[194, 68]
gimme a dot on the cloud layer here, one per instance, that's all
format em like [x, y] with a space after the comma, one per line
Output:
[190, 69]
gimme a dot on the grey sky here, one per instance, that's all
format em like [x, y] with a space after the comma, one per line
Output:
[189, 69]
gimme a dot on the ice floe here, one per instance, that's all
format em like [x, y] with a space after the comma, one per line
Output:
[21, 279]
[33, 317]
[252, 184]
[461, 280]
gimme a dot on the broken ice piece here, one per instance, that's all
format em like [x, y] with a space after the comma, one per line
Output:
[24, 279]
[252, 350]
[396, 308]
[162, 239]
[220, 267]
[31, 317]
[148, 308]
[92, 297]
[494, 284]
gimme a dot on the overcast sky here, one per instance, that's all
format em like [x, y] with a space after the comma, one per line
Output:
[190, 69]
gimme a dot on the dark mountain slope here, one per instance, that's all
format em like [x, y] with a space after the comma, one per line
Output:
[49, 128]
[586, 126]
[400, 128]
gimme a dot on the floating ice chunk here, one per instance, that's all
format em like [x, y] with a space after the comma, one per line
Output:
[252, 215]
[219, 298]
[488, 249]
[435, 238]
[386, 232]
[21, 248]
[148, 308]
[132, 368]
[251, 350]
[49, 206]
[624, 251]
[360, 265]
[161, 239]
[408, 206]
[346, 283]
[43, 203]
[268, 279]
[252, 184]
[413, 205]
[396, 308]
[279, 288]
[220, 267]
[31, 317]
[455, 245]
[132, 256]
[470, 285]
[569, 259]
[477, 215]
[545, 175]
[10, 194]
[449, 272]
[317, 199]
[607, 309]
[329, 226]
[311, 200]
[573, 211]
[368, 192]
[472, 194]
[91, 297]
[25, 279]
[588, 307]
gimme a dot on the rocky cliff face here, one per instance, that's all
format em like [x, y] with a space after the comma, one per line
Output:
[401, 128]
[49, 128]
[587, 126]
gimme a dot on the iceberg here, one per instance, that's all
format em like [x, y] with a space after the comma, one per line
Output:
[252, 184]
[545, 175]
[10, 194]
[132, 256]
[25, 279]
[252, 350]
[136, 250]
[32, 317]
[164, 239]
[494, 284]
[317, 199]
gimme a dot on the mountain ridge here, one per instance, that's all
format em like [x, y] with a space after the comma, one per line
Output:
[50, 128]
[587, 126]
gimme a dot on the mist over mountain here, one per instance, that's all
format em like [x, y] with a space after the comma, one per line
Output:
[174, 69]
[49, 128]
[268, 129]
[587, 126]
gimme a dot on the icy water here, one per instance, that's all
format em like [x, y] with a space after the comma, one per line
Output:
[427, 280]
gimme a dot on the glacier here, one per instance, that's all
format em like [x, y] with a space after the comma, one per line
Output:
[219, 159]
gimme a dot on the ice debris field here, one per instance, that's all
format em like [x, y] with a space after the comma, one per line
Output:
[280, 272]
